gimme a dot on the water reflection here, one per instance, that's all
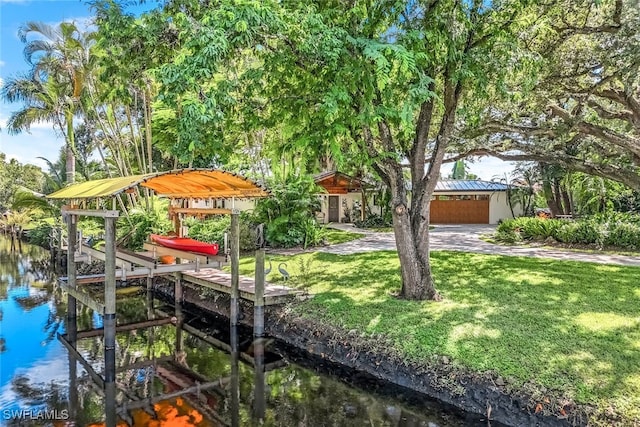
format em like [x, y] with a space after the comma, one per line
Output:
[173, 367]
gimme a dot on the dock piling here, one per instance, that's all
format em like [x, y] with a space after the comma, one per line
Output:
[258, 305]
[235, 267]
[109, 321]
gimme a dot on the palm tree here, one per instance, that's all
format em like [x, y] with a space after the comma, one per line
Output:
[15, 222]
[51, 91]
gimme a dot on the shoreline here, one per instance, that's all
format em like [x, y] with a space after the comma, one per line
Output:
[485, 396]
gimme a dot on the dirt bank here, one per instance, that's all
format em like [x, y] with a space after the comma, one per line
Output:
[487, 395]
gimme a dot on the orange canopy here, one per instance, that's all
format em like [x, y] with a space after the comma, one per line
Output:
[180, 183]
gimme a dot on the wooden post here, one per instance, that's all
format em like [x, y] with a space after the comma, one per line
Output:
[72, 324]
[109, 322]
[150, 310]
[235, 378]
[235, 267]
[72, 225]
[259, 401]
[73, 382]
[258, 342]
[177, 293]
[258, 305]
[58, 231]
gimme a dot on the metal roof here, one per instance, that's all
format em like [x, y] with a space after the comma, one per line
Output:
[469, 185]
[180, 183]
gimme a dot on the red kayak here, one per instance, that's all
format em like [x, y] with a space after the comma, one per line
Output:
[185, 244]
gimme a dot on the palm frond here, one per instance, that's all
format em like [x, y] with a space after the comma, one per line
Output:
[21, 121]
[39, 29]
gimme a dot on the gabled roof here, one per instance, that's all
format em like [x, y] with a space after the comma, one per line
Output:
[180, 183]
[469, 185]
[338, 182]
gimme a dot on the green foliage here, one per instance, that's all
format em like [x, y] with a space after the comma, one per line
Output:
[621, 230]
[18, 180]
[91, 227]
[623, 235]
[209, 230]
[374, 221]
[584, 231]
[531, 228]
[508, 236]
[134, 230]
[289, 214]
[40, 235]
[212, 230]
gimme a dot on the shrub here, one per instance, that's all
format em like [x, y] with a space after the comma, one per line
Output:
[212, 230]
[374, 221]
[613, 229]
[289, 213]
[40, 235]
[508, 236]
[529, 228]
[623, 235]
[134, 230]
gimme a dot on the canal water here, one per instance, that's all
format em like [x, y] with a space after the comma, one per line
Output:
[177, 368]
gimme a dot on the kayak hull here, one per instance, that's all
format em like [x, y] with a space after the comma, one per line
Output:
[185, 244]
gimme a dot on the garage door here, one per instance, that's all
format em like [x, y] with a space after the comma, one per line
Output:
[460, 210]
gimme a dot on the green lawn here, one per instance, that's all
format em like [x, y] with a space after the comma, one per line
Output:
[571, 327]
[333, 236]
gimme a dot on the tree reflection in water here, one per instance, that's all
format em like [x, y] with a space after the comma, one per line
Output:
[295, 396]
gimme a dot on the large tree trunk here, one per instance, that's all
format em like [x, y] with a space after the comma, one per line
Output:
[413, 251]
[71, 165]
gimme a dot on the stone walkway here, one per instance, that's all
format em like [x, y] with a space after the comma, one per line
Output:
[466, 238]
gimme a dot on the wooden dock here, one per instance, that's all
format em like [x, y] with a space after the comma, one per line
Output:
[221, 281]
[210, 278]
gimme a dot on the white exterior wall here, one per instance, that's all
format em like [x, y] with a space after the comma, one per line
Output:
[323, 215]
[240, 204]
[499, 207]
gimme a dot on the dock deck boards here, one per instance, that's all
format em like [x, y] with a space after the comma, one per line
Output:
[221, 281]
[211, 278]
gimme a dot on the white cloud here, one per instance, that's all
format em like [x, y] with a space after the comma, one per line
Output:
[83, 23]
[487, 168]
[52, 367]
[2, 64]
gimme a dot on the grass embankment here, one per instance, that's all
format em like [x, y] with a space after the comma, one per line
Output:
[571, 328]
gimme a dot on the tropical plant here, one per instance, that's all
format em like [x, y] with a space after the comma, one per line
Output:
[594, 194]
[16, 178]
[213, 229]
[289, 214]
[134, 229]
[461, 171]
[51, 91]
[621, 230]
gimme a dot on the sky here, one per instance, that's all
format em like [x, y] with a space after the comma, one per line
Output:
[42, 140]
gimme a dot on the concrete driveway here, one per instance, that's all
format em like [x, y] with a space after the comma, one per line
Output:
[466, 238]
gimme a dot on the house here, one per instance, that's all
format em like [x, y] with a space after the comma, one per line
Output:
[454, 201]
[341, 199]
[460, 201]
